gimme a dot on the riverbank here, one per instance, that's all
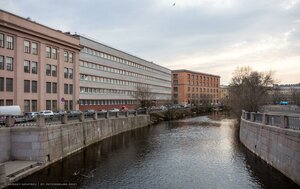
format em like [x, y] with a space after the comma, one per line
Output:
[48, 144]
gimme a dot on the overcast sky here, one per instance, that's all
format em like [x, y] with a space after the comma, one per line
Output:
[213, 36]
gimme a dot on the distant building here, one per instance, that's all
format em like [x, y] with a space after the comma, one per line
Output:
[286, 92]
[189, 87]
[224, 100]
[109, 77]
[38, 66]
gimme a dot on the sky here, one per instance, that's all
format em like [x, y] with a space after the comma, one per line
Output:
[210, 36]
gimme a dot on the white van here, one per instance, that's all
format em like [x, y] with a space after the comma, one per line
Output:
[10, 110]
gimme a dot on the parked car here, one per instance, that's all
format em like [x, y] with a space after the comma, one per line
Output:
[74, 113]
[60, 113]
[89, 112]
[114, 110]
[102, 111]
[124, 109]
[31, 116]
[47, 113]
[163, 108]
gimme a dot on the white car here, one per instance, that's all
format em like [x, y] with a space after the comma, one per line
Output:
[114, 110]
[47, 113]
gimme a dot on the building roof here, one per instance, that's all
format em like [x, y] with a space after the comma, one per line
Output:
[184, 70]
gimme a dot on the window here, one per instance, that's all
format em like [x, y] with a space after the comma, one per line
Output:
[34, 48]
[48, 69]
[71, 89]
[10, 42]
[71, 57]
[65, 72]
[48, 52]
[26, 47]
[9, 64]
[48, 87]
[54, 53]
[26, 86]
[34, 86]
[54, 87]
[54, 105]
[1, 83]
[1, 62]
[48, 104]
[66, 89]
[54, 71]
[71, 73]
[71, 104]
[66, 105]
[9, 84]
[66, 56]
[26, 66]
[34, 105]
[34, 67]
[26, 105]
[1, 102]
[9, 102]
[1, 40]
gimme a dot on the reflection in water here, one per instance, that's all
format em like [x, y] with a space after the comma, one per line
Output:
[199, 152]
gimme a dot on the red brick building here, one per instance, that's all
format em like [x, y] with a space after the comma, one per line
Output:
[189, 87]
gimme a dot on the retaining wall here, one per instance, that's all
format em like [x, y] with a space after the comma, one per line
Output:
[48, 144]
[277, 146]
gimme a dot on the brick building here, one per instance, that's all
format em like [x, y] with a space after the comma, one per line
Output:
[189, 87]
[38, 65]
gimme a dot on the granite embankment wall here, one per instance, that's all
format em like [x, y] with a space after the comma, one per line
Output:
[279, 147]
[47, 144]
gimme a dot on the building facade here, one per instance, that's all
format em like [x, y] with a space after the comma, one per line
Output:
[109, 78]
[224, 96]
[38, 66]
[189, 87]
[286, 92]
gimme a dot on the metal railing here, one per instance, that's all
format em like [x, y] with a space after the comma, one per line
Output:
[8, 121]
[283, 121]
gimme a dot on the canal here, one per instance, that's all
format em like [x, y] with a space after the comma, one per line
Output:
[199, 152]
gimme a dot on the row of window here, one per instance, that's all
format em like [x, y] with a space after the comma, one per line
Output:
[30, 67]
[114, 81]
[201, 84]
[51, 52]
[68, 57]
[117, 59]
[30, 47]
[106, 102]
[8, 102]
[6, 41]
[200, 90]
[6, 63]
[6, 84]
[27, 86]
[205, 84]
[118, 71]
[51, 70]
[210, 96]
[51, 87]
[105, 91]
[27, 105]
[200, 77]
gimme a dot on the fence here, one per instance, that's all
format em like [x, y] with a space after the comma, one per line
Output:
[283, 121]
[67, 118]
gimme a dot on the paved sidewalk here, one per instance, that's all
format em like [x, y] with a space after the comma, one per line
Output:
[16, 167]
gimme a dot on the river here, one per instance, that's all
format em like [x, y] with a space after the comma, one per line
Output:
[200, 152]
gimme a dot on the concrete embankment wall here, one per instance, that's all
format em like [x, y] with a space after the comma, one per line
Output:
[51, 143]
[277, 146]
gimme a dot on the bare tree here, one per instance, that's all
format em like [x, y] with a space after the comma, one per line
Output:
[144, 96]
[249, 89]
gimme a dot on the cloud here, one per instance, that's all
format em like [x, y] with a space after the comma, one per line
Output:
[212, 36]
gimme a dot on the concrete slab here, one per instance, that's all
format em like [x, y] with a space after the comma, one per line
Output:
[16, 167]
